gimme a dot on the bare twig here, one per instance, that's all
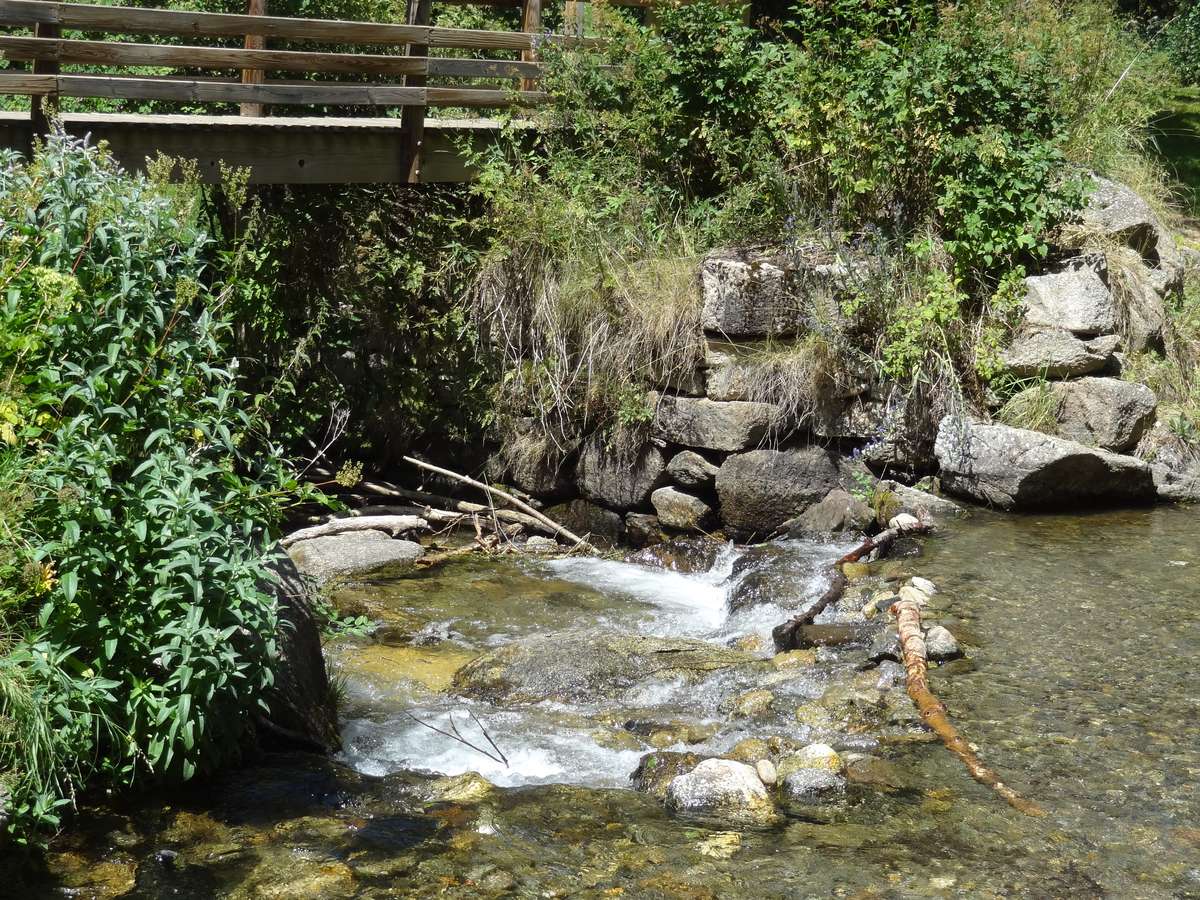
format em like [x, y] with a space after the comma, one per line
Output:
[497, 756]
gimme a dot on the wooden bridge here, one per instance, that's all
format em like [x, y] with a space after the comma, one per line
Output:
[312, 148]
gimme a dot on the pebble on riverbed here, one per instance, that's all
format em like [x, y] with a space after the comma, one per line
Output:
[940, 644]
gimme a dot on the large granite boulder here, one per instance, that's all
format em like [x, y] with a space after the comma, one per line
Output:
[722, 791]
[1013, 468]
[1055, 353]
[682, 511]
[618, 477]
[584, 666]
[1076, 298]
[1103, 412]
[351, 555]
[1115, 211]
[762, 489]
[688, 468]
[711, 425]
[301, 706]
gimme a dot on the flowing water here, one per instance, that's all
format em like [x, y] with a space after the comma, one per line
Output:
[1078, 686]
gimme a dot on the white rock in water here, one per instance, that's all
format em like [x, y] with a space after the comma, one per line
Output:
[539, 544]
[940, 644]
[910, 592]
[722, 789]
[766, 771]
[924, 585]
[903, 521]
[814, 775]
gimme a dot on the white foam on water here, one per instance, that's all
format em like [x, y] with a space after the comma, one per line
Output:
[683, 604]
[535, 751]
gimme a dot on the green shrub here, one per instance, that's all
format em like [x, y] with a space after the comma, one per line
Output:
[1183, 42]
[144, 640]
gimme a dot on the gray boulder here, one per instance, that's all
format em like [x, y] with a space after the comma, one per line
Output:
[839, 511]
[1054, 353]
[710, 425]
[814, 775]
[762, 489]
[746, 295]
[689, 469]
[774, 573]
[643, 529]
[1014, 468]
[893, 498]
[682, 511]
[1104, 412]
[940, 644]
[1115, 211]
[584, 517]
[722, 791]
[1076, 299]
[584, 666]
[620, 478]
[351, 555]
[302, 709]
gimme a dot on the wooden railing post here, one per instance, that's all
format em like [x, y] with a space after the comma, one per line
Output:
[574, 17]
[254, 76]
[412, 118]
[531, 23]
[38, 106]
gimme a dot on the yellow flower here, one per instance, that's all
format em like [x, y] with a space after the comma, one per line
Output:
[46, 579]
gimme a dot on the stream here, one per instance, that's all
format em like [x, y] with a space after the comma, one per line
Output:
[1080, 635]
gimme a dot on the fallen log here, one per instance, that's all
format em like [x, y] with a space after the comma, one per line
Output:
[788, 635]
[933, 713]
[884, 540]
[393, 525]
[519, 504]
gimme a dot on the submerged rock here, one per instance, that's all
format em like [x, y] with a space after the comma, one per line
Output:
[656, 771]
[681, 554]
[762, 489]
[940, 644]
[584, 666]
[814, 775]
[1018, 469]
[722, 790]
[469, 787]
[682, 511]
[353, 554]
[771, 573]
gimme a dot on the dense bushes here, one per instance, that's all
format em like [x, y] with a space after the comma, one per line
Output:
[944, 142]
[139, 487]
[1183, 42]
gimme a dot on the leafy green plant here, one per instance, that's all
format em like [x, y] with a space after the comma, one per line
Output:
[150, 492]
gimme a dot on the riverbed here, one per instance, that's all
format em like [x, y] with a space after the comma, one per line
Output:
[1078, 686]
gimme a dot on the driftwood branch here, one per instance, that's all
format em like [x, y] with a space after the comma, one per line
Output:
[519, 504]
[933, 713]
[461, 508]
[884, 540]
[393, 525]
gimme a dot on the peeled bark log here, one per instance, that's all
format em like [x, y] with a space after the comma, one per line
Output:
[393, 525]
[933, 713]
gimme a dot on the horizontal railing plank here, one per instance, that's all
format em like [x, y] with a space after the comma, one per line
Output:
[131, 20]
[197, 91]
[111, 53]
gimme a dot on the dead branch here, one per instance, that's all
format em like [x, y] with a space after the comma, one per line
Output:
[457, 736]
[522, 506]
[933, 713]
[883, 541]
[393, 525]
[787, 635]
[463, 507]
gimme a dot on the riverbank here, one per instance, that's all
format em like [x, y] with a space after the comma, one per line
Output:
[1056, 700]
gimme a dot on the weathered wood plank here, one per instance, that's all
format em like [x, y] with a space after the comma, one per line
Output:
[131, 20]
[277, 151]
[108, 53]
[254, 42]
[187, 91]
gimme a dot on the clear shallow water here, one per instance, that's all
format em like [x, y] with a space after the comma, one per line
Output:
[1081, 689]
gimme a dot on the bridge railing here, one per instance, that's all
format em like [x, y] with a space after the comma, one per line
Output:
[45, 47]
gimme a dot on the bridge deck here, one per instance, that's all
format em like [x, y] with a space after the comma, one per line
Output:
[277, 150]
